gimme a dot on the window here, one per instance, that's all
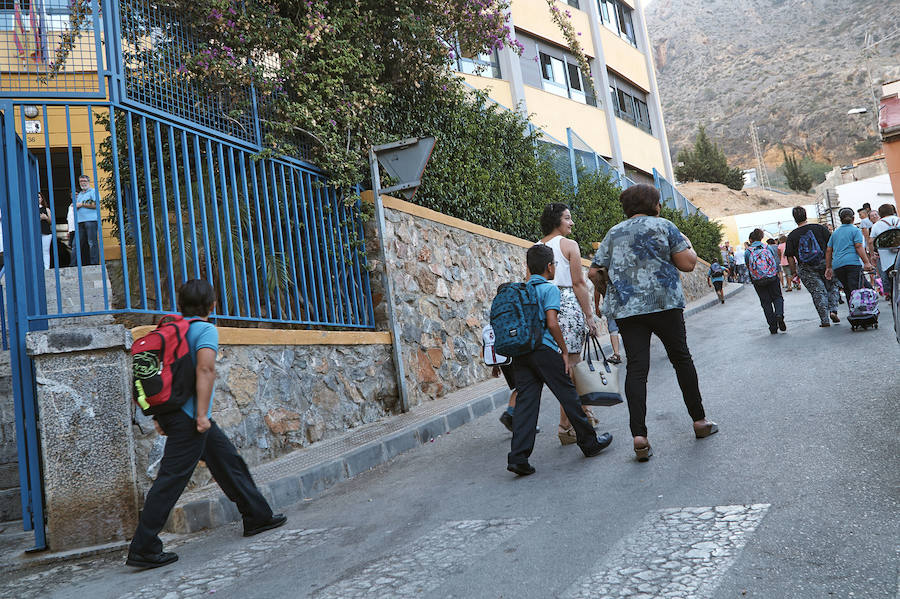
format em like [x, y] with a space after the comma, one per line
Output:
[616, 16]
[55, 14]
[565, 79]
[574, 3]
[631, 106]
[484, 65]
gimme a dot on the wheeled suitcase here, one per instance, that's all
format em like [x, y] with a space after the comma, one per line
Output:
[863, 309]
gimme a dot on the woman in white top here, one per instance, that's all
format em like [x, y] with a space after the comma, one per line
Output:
[575, 316]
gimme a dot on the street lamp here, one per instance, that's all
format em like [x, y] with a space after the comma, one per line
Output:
[857, 111]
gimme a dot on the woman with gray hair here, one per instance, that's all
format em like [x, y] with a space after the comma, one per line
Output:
[643, 256]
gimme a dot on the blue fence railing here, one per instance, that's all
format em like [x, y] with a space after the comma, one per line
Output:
[4, 340]
[176, 203]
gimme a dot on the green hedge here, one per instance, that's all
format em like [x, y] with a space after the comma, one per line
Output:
[485, 169]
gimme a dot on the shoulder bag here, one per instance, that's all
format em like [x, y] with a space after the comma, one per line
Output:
[596, 380]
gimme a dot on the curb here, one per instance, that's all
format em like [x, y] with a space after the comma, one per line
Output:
[218, 510]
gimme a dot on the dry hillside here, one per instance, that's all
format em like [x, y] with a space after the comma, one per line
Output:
[716, 200]
[793, 66]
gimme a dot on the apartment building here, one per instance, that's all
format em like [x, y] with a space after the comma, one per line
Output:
[622, 121]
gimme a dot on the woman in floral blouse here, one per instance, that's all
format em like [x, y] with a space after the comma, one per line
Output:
[642, 257]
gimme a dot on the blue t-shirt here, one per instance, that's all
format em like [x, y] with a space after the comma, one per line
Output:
[83, 215]
[642, 278]
[720, 276]
[201, 334]
[548, 299]
[842, 243]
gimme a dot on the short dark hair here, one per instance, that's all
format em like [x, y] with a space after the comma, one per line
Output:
[552, 216]
[799, 214]
[757, 235]
[196, 298]
[639, 199]
[846, 215]
[771, 241]
[886, 210]
[83, 176]
[538, 257]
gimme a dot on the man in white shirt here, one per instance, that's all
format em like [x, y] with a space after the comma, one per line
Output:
[740, 264]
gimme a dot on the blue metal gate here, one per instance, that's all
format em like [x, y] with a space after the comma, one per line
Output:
[21, 256]
[181, 192]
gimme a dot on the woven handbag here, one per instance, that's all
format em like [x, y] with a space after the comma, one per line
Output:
[596, 380]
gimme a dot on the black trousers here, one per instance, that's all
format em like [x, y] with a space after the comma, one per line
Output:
[851, 278]
[771, 300]
[668, 326]
[531, 372]
[184, 448]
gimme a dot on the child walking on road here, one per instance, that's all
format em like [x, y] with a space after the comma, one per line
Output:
[716, 278]
[193, 436]
[762, 262]
[546, 365]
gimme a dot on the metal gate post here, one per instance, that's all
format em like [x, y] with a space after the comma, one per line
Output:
[16, 260]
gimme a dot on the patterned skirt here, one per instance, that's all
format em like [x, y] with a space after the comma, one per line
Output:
[571, 320]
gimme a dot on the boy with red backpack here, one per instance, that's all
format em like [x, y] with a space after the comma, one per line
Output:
[181, 405]
[762, 264]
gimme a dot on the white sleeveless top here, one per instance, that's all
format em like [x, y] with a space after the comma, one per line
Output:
[563, 276]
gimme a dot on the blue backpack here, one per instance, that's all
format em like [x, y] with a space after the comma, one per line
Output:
[808, 249]
[517, 319]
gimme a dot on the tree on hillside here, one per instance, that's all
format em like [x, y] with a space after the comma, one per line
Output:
[797, 177]
[707, 163]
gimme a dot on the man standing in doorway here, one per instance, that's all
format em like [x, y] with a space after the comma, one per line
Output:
[805, 250]
[86, 217]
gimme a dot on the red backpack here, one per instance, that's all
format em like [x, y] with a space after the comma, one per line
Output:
[163, 373]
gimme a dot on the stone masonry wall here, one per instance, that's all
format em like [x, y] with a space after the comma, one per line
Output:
[270, 400]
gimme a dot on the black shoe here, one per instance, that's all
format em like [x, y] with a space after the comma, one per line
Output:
[150, 560]
[506, 420]
[603, 441]
[773, 330]
[274, 522]
[521, 469]
[781, 324]
[834, 317]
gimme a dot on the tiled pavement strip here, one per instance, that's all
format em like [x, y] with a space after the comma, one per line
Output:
[306, 473]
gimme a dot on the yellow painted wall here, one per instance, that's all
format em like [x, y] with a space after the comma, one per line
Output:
[639, 148]
[499, 90]
[533, 16]
[625, 59]
[56, 134]
[554, 113]
[730, 231]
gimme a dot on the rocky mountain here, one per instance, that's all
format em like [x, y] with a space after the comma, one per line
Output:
[795, 67]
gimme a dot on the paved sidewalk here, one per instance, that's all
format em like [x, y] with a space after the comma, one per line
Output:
[306, 473]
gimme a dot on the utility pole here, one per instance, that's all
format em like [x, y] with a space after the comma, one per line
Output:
[762, 173]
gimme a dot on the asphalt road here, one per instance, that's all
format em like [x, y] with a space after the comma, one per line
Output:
[796, 497]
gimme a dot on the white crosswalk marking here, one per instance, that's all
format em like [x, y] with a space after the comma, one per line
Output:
[423, 565]
[677, 553]
[224, 571]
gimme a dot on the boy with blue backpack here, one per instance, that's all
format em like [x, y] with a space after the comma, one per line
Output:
[715, 278]
[762, 264]
[526, 326]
